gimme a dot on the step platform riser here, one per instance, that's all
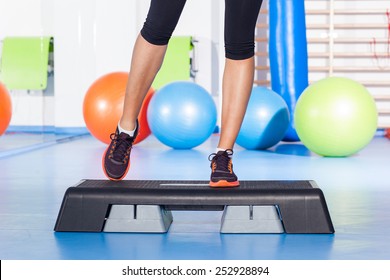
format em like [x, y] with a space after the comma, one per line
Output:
[145, 206]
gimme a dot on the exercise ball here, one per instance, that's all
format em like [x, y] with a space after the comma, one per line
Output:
[103, 105]
[5, 109]
[266, 120]
[182, 115]
[336, 117]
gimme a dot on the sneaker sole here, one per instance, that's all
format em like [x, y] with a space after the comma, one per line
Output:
[224, 184]
[108, 176]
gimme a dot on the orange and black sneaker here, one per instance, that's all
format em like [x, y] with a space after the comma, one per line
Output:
[222, 174]
[116, 158]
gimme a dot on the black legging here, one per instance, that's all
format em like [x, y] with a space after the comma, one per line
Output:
[240, 24]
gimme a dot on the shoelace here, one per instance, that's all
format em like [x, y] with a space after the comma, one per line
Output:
[120, 148]
[222, 159]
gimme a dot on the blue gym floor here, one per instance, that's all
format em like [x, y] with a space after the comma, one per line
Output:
[36, 169]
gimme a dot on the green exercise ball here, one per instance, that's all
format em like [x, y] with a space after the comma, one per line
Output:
[336, 117]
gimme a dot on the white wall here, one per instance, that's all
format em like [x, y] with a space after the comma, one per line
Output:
[91, 38]
[34, 19]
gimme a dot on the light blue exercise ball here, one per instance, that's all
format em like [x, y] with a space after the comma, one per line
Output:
[266, 120]
[182, 115]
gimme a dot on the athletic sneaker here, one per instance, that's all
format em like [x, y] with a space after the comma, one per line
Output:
[116, 159]
[222, 174]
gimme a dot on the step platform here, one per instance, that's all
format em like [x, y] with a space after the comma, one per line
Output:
[146, 206]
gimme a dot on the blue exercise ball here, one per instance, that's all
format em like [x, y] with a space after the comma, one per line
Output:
[182, 115]
[266, 120]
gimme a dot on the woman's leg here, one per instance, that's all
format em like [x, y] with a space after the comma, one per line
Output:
[236, 87]
[148, 54]
[240, 23]
[146, 61]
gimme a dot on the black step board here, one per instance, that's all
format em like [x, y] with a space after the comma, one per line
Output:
[302, 204]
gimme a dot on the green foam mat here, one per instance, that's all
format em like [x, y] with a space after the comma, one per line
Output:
[24, 62]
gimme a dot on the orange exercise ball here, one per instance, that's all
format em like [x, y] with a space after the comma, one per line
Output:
[5, 109]
[103, 105]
